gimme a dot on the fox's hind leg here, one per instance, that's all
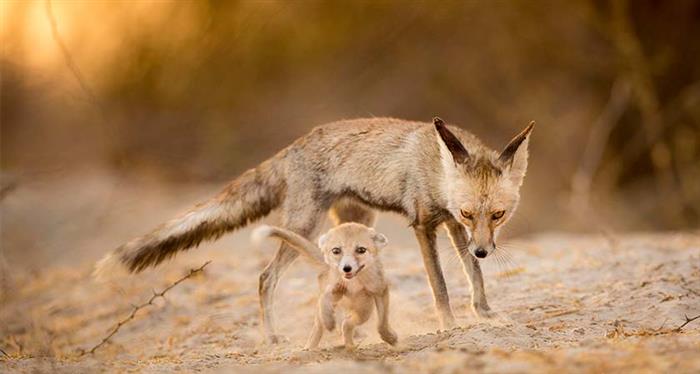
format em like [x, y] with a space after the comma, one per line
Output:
[316, 334]
[301, 217]
[345, 210]
[471, 268]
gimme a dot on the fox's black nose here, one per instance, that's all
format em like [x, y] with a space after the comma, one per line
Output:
[480, 252]
[347, 268]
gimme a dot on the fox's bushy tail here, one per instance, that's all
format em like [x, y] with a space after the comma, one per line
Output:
[298, 242]
[249, 197]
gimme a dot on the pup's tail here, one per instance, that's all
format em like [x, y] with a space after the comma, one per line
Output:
[249, 197]
[298, 242]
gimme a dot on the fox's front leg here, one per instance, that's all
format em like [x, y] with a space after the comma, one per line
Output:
[385, 331]
[431, 260]
[458, 235]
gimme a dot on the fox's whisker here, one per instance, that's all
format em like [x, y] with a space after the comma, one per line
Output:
[504, 257]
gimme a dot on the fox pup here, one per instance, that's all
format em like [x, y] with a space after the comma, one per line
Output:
[431, 173]
[352, 278]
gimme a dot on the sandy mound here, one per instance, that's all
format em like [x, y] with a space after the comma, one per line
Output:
[584, 303]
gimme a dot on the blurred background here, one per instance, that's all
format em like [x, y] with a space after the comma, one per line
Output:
[114, 109]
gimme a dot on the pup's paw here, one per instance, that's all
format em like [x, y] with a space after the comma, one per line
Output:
[388, 335]
[359, 335]
[276, 339]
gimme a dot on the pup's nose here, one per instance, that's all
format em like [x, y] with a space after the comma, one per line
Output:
[347, 268]
[480, 252]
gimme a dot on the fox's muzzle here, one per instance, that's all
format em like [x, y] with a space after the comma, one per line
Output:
[481, 240]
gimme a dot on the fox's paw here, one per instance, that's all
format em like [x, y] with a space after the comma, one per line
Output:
[448, 322]
[484, 312]
[388, 335]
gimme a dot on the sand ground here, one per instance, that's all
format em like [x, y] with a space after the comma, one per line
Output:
[584, 303]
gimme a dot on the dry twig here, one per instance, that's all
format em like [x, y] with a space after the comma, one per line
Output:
[687, 321]
[620, 331]
[150, 301]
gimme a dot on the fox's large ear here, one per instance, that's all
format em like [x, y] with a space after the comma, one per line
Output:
[514, 156]
[453, 145]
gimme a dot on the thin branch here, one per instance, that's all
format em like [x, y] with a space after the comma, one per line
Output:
[619, 330]
[598, 137]
[136, 308]
[3, 352]
[687, 321]
[111, 132]
[68, 58]
[629, 48]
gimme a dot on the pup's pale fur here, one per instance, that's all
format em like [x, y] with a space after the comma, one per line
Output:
[352, 278]
[432, 174]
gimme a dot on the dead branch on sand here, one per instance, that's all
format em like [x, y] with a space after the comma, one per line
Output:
[687, 321]
[620, 331]
[136, 308]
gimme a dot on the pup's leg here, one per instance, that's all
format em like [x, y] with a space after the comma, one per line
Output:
[316, 334]
[326, 311]
[471, 268]
[385, 331]
[301, 217]
[349, 324]
[426, 239]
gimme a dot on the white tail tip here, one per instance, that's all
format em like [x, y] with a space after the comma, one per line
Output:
[261, 233]
[109, 267]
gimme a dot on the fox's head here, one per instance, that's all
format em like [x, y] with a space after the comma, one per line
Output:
[482, 189]
[351, 247]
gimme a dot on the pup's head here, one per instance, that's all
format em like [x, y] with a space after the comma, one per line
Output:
[351, 247]
[482, 189]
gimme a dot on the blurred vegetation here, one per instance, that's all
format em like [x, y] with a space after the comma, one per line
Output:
[196, 90]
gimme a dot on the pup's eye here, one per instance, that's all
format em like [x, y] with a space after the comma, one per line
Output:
[361, 250]
[466, 214]
[498, 215]
[336, 251]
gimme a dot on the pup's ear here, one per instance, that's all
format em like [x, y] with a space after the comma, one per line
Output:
[456, 150]
[322, 240]
[514, 156]
[380, 241]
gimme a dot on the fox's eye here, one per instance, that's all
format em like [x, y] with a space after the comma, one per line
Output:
[336, 251]
[498, 215]
[466, 214]
[361, 250]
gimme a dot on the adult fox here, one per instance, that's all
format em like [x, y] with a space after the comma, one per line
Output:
[432, 174]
